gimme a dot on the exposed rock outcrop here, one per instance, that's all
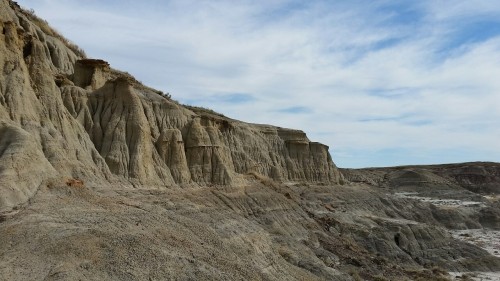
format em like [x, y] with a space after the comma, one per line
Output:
[476, 177]
[103, 126]
[91, 73]
[23, 166]
[36, 132]
[449, 187]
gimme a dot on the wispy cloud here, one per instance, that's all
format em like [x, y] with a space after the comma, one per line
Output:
[295, 110]
[380, 82]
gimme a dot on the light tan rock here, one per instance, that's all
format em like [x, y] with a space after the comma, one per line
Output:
[30, 102]
[193, 145]
[91, 73]
[102, 126]
[23, 166]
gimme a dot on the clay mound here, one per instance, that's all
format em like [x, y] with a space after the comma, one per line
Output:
[414, 177]
[478, 177]
[483, 178]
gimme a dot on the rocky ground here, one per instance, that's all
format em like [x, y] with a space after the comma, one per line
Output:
[261, 231]
[464, 198]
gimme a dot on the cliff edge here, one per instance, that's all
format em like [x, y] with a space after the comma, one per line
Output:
[64, 116]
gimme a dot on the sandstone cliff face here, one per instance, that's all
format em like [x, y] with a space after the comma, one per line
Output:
[64, 116]
[151, 140]
[38, 139]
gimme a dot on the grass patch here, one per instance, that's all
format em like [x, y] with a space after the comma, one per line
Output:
[118, 74]
[203, 110]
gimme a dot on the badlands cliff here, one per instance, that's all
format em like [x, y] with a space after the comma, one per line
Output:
[64, 116]
[104, 178]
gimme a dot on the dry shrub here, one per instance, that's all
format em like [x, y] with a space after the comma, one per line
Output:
[434, 274]
[436, 270]
[201, 110]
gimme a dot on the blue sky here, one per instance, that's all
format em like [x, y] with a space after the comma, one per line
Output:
[381, 82]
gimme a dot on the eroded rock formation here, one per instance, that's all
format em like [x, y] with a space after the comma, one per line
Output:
[77, 117]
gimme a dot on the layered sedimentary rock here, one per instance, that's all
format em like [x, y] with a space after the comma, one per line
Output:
[76, 135]
[477, 177]
[91, 73]
[79, 118]
[135, 129]
[39, 139]
[464, 195]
